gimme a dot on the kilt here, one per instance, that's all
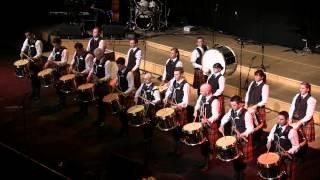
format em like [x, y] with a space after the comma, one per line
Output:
[308, 130]
[221, 102]
[246, 148]
[137, 80]
[261, 115]
[181, 117]
[198, 78]
[211, 133]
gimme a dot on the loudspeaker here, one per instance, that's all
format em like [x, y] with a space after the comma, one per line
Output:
[113, 31]
[69, 31]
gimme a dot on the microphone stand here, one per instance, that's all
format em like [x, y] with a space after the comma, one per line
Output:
[240, 69]
[213, 23]
[246, 84]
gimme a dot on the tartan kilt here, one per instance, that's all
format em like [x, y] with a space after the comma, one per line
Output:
[221, 102]
[198, 78]
[308, 130]
[211, 133]
[137, 79]
[181, 116]
[261, 115]
[246, 148]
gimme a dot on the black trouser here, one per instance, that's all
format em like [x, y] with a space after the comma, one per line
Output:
[124, 121]
[35, 81]
[61, 95]
[177, 135]
[239, 166]
[100, 91]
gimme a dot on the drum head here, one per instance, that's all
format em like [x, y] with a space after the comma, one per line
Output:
[192, 126]
[67, 77]
[226, 141]
[165, 112]
[268, 158]
[85, 86]
[21, 62]
[144, 20]
[45, 72]
[135, 109]
[223, 55]
[110, 97]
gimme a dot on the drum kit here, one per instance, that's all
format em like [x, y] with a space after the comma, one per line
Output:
[147, 15]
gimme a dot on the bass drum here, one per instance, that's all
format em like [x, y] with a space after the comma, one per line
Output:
[143, 21]
[223, 55]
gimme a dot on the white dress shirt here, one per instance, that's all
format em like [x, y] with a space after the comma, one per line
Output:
[186, 90]
[101, 44]
[293, 137]
[215, 108]
[89, 62]
[310, 109]
[265, 94]
[194, 56]
[247, 117]
[179, 64]
[137, 56]
[38, 46]
[221, 81]
[155, 93]
[64, 57]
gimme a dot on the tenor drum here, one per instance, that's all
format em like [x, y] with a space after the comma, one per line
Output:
[68, 83]
[22, 69]
[136, 116]
[193, 134]
[166, 119]
[86, 92]
[227, 149]
[113, 101]
[223, 55]
[46, 77]
[269, 166]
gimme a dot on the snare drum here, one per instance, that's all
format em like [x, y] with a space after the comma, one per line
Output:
[22, 69]
[113, 101]
[68, 83]
[166, 119]
[269, 166]
[46, 77]
[136, 116]
[86, 92]
[227, 149]
[193, 134]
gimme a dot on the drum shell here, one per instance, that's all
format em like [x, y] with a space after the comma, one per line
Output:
[86, 95]
[194, 137]
[167, 123]
[137, 119]
[227, 153]
[269, 171]
[67, 86]
[47, 80]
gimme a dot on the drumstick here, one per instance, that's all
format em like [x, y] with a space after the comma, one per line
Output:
[146, 100]
[29, 58]
[194, 118]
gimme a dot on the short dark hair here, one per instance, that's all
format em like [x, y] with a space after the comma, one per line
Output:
[260, 73]
[180, 69]
[134, 39]
[218, 65]
[200, 37]
[78, 45]
[121, 60]
[176, 50]
[236, 99]
[56, 40]
[98, 28]
[285, 114]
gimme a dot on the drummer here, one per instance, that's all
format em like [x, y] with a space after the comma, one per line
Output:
[96, 41]
[81, 65]
[58, 60]
[102, 72]
[171, 64]
[242, 127]
[217, 82]
[33, 47]
[178, 96]
[283, 135]
[148, 95]
[125, 86]
[208, 109]
[196, 59]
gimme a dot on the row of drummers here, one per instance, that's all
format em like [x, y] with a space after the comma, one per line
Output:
[113, 83]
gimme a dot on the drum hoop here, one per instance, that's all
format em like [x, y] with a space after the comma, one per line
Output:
[137, 106]
[269, 165]
[227, 146]
[21, 60]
